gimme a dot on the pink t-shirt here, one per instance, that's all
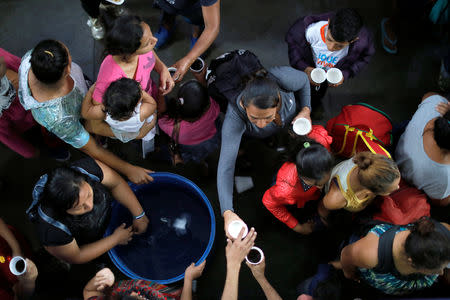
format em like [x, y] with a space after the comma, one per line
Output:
[110, 71]
[194, 133]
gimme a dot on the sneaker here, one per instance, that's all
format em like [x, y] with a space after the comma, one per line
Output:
[163, 35]
[97, 29]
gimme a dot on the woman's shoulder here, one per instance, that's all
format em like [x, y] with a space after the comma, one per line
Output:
[51, 235]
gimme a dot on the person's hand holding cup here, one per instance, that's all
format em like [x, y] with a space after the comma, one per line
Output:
[237, 250]
[335, 77]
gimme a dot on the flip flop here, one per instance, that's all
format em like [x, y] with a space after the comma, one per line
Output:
[385, 36]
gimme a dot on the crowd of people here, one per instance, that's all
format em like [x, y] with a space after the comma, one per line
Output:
[377, 192]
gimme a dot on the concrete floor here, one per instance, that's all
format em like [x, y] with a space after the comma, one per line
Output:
[394, 84]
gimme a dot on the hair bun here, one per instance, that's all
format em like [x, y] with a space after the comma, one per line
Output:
[363, 160]
[424, 226]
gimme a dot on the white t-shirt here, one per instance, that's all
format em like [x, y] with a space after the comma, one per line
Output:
[323, 58]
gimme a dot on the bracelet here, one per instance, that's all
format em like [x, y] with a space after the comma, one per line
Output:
[140, 216]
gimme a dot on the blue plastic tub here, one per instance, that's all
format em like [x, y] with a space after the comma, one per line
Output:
[181, 230]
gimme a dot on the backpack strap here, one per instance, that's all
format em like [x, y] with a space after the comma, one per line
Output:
[80, 169]
[52, 221]
[385, 259]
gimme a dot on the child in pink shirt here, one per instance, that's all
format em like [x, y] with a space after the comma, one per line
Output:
[196, 114]
[110, 71]
[129, 43]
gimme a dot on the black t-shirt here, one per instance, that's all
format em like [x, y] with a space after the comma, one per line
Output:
[50, 235]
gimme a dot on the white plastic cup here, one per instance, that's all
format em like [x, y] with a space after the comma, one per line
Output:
[302, 126]
[235, 227]
[18, 265]
[198, 65]
[318, 75]
[334, 76]
[261, 256]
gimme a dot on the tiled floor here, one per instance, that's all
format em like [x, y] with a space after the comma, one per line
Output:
[392, 83]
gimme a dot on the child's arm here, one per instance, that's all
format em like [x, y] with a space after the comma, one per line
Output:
[10, 239]
[91, 109]
[148, 108]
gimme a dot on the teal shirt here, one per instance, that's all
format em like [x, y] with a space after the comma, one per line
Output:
[60, 116]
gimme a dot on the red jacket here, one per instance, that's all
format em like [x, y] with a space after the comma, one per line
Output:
[288, 191]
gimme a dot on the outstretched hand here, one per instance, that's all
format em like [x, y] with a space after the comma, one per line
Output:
[193, 272]
[139, 175]
[238, 249]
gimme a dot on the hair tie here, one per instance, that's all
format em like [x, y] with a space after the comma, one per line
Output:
[49, 53]
[306, 145]
[181, 101]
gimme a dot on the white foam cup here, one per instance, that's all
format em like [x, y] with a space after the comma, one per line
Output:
[261, 253]
[302, 126]
[235, 227]
[334, 76]
[318, 75]
[198, 65]
[13, 265]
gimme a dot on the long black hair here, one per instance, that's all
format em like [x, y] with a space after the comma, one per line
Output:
[48, 61]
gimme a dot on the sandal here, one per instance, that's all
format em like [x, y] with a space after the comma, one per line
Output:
[385, 37]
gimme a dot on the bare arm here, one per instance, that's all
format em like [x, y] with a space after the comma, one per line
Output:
[10, 239]
[258, 273]
[211, 18]
[135, 174]
[91, 109]
[333, 200]
[124, 195]
[192, 272]
[361, 254]
[166, 82]
[73, 254]
[148, 108]
[235, 253]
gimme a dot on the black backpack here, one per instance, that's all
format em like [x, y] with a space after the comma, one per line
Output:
[226, 73]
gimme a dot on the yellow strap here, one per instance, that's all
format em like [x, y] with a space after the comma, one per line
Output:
[371, 149]
[347, 129]
[358, 134]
